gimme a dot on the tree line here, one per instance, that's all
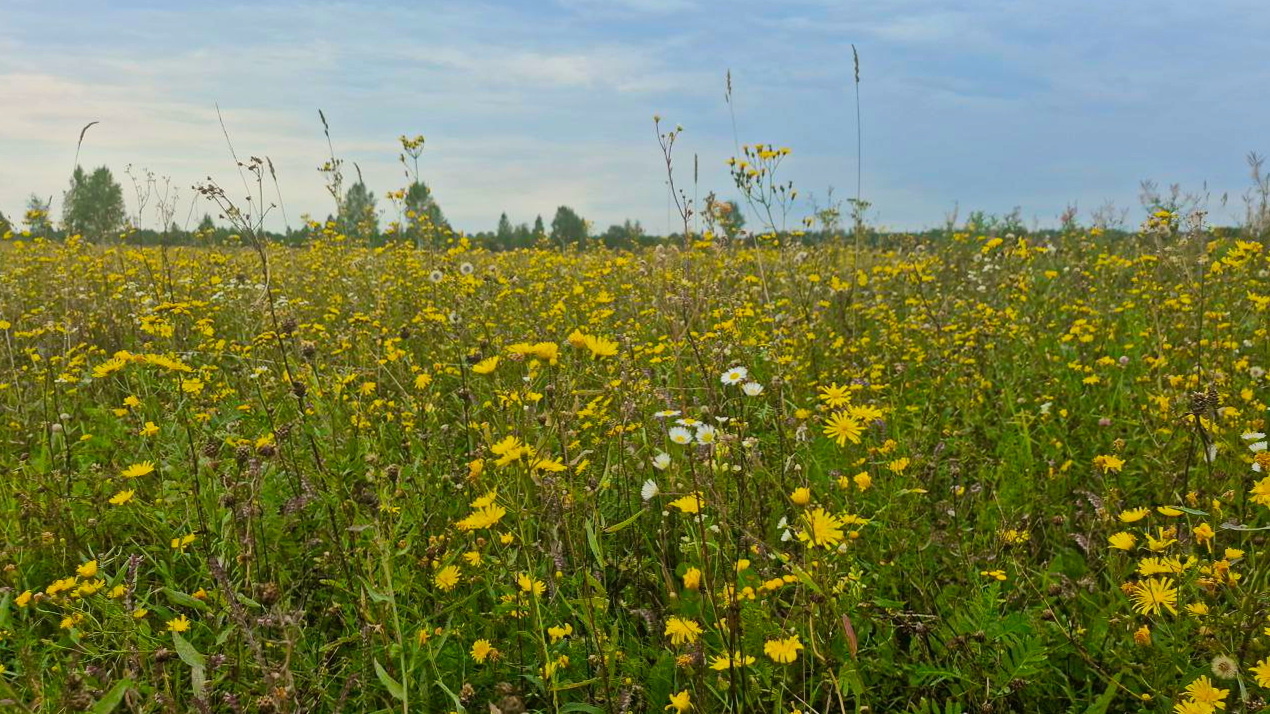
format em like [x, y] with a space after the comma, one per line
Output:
[93, 207]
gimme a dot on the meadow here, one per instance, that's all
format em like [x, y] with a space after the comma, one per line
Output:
[977, 472]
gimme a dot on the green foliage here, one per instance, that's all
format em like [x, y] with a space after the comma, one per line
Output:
[359, 219]
[93, 205]
[567, 228]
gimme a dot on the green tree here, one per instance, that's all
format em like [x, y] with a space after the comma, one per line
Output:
[419, 198]
[539, 230]
[624, 235]
[506, 234]
[729, 217]
[568, 228]
[93, 205]
[36, 218]
[359, 219]
[5, 225]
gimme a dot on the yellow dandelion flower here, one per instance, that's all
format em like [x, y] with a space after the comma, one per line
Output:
[821, 528]
[1153, 595]
[841, 427]
[682, 631]
[486, 366]
[144, 468]
[783, 651]
[446, 578]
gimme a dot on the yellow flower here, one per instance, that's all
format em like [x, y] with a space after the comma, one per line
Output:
[529, 584]
[87, 570]
[821, 528]
[688, 504]
[446, 578]
[834, 396]
[142, 469]
[1203, 533]
[485, 517]
[481, 650]
[485, 366]
[842, 428]
[1142, 636]
[783, 651]
[801, 496]
[180, 624]
[1123, 540]
[1107, 463]
[1134, 515]
[692, 579]
[150, 429]
[1203, 691]
[1153, 595]
[682, 631]
[122, 497]
[1261, 672]
[735, 660]
[558, 633]
[24, 599]
[599, 346]
[680, 702]
[1197, 609]
[181, 542]
[863, 480]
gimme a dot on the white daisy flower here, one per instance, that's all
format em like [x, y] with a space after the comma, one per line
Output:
[466, 268]
[667, 413]
[736, 375]
[752, 389]
[707, 434]
[680, 435]
[649, 490]
[661, 461]
[435, 276]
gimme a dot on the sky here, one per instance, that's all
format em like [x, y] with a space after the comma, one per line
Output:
[526, 106]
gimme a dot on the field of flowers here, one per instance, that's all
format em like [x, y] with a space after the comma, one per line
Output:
[973, 473]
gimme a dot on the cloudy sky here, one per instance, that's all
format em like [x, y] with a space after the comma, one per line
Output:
[984, 104]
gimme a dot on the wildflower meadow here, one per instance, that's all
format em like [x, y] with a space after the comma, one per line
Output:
[965, 471]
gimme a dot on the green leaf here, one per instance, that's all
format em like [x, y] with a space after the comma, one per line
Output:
[594, 543]
[186, 651]
[1192, 511]
[394, 687]
[111, 699]
[1237, 527]
[580, 707]
[1102, 702]
[619, 526]
[177, 597]
[196, 661]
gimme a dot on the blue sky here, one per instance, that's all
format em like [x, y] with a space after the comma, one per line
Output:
[986, 105]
